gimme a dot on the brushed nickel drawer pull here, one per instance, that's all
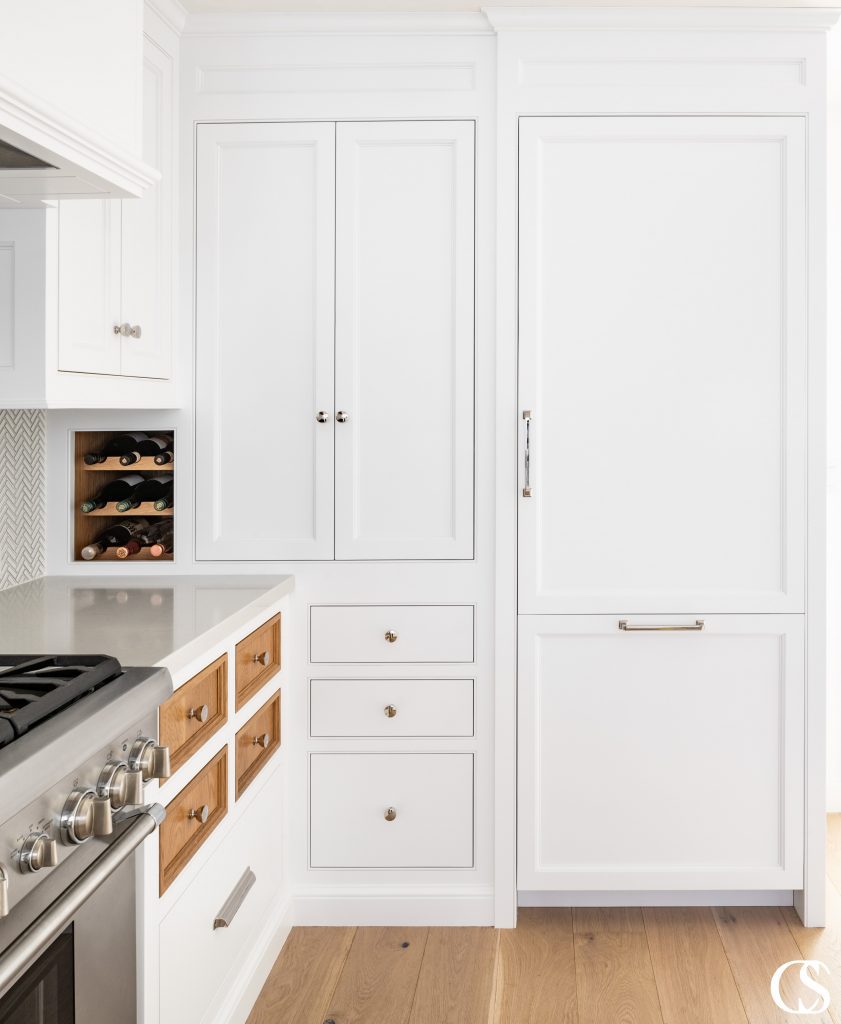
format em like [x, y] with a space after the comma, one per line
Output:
[201, 814]
[390, 814]
[262, 741]
[390, 711]
[391, 636]
[527, 455]
[261, 659]
[200, 713]
[628, 627]
[232, 904]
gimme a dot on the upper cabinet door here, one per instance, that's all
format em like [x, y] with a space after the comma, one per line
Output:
[404, 339]
[264, 341]
[662, 357]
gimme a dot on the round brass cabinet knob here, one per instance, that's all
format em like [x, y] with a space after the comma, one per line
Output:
[390, 814]
[261, 659]
[200, 714]
[390, 711]
[261, 741]
[201, 815]
[391, 636]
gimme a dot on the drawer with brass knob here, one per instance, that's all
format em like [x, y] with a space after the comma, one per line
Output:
[256, 742]
[191, 817]
[385, 708]
[398, 634]
[194, 712]
[391, 810]
[258, 659]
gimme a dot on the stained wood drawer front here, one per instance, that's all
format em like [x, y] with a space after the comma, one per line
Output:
[192, 816]
[199, 963]
[391, 810]
[391, 707]
[258, 659]
[257, 741]
[391, 633]
[195, 712]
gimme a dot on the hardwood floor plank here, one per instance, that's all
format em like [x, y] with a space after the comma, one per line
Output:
[757, 941]
[613, 969]
[379, 977]
[693, 976]
[822, 944]
[301, 983]
[456, 977]
[535, 980]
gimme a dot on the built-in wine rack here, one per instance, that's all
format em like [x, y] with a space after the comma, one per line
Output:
[89, 480]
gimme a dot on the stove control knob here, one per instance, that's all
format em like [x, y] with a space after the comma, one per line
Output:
[38, 851]
[4, 891]
[152, 760]
[134, 787]
[85, 815]
[113, 783]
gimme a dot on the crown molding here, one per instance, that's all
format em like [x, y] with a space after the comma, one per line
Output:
[333, 23]
[724, 19]
[171, 12]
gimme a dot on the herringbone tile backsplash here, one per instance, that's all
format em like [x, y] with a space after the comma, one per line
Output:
[22, 495]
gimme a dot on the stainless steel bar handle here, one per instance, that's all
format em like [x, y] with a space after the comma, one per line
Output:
[630, 627]
[234, 901]
[31, 943]
[527, 455]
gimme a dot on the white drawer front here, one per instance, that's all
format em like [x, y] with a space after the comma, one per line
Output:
[431, 795]
[391, 707]
[195, 959]
[422, 633]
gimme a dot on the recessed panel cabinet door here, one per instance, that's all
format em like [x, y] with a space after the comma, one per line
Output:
[660, 759]
[404, 339]
[264, 341]
[662, 359]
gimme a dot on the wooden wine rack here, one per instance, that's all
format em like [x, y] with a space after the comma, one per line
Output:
[89, 480]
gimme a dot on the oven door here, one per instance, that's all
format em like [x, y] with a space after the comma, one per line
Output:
[72, 958]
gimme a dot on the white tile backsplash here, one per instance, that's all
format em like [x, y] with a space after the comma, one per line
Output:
[22, 495]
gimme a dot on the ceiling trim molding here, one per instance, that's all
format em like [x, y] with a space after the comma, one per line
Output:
[284, 23]
[171, 12]
[753, 19]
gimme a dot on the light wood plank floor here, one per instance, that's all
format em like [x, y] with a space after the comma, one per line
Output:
[608, 966]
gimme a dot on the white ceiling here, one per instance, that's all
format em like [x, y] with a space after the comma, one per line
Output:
[347, 6]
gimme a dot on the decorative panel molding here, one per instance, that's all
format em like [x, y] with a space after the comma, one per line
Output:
[22, 496]
[548, 74]
[7, 304]
[317, 78]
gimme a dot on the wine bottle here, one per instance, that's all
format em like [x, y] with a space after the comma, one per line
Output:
[155, 533]
[153, 445]
[148, 489]
[164, 543]
[165, 457]
[115, 447]
[115, 490]
[114, 536]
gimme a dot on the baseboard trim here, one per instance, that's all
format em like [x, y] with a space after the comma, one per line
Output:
[659, 898]
[421, 905]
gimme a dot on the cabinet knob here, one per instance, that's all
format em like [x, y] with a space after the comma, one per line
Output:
[261, 659]
[391, 636]
[261, 741]
[390, 814]
[200, 713]
[201, 814]
[390, 710]
[341, 416]
[322, 416]
[128, 330]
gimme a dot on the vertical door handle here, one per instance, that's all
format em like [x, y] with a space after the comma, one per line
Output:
[527, 455]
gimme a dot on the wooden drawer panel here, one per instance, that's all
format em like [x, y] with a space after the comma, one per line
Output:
[391, 633]
[195, 712]
[431, 796]
[181, 834]
[258, 659]
[391, 707]
[252, 755]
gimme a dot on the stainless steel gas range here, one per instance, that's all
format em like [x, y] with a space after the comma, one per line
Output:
[77, 746]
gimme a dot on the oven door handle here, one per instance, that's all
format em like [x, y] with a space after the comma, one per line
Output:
[31, 943]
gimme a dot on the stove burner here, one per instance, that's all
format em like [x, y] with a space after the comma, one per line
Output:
[33, 688]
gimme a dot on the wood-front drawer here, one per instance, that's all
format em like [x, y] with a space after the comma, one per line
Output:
[391, 633]
[258, 659]
[257, 741]
[391, 707]
[192, 816]
[195, 712]
[391, 810]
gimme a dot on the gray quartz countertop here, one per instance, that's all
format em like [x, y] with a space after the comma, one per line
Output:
[164, 620]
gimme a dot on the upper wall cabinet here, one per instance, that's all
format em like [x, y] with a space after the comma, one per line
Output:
[335, 292]
[662, 282]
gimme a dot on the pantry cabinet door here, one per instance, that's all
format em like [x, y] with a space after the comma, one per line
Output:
[404, 339]
[660, 760]
[264, 341]
[663, 360]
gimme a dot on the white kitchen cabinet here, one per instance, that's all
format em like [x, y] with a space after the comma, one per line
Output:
[661, 759]
[334, 322]
[663, 364]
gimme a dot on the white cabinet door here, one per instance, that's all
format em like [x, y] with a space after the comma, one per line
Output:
[89, 285]
[264, 341]
[662, 357]
[660, 760]
[147, 231]
[404, 339]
